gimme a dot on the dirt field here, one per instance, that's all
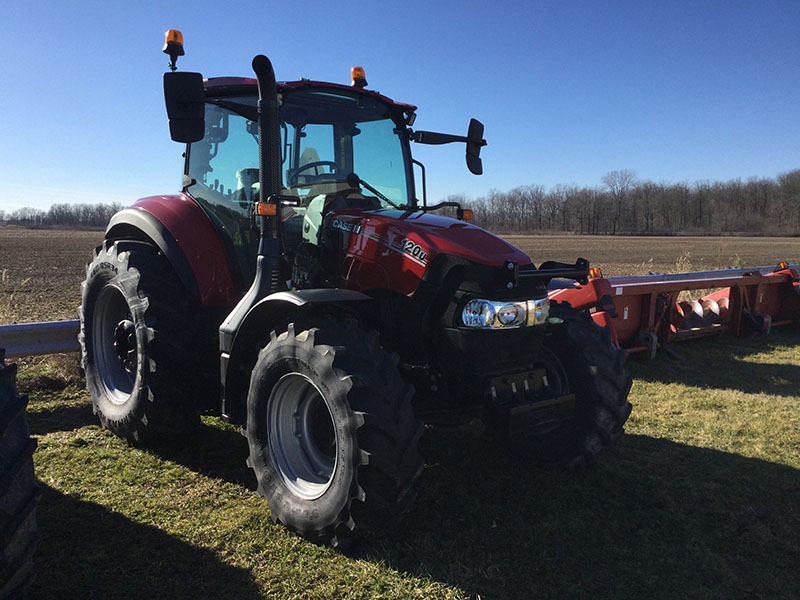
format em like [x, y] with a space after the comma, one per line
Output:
[639, 255]
[41, 270]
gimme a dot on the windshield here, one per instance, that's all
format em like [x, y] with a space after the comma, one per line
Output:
[325, 136]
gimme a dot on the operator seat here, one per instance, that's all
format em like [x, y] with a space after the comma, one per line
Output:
[246, 187]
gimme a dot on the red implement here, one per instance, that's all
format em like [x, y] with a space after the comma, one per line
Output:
[645, 312]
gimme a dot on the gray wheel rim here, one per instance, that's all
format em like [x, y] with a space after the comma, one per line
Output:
[302, 437]
[114, 345]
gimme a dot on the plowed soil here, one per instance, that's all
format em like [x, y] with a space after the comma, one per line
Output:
[41, 272]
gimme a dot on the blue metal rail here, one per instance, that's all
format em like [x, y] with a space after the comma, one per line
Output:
[40, 338]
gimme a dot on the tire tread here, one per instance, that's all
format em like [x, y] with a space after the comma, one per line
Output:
[19, 490]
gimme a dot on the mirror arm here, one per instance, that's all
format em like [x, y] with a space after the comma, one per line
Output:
[433, 138]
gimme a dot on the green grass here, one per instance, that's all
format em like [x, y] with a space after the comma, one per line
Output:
[700, 499]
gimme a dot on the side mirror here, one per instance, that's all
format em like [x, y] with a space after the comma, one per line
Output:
[185, 99]
[474, 142]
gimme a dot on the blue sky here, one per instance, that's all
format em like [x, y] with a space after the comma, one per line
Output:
[568, 91]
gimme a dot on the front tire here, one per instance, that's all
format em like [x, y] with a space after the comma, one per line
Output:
[332, 435]
[580, 359]
[134, 341]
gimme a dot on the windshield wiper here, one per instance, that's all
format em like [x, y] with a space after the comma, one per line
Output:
[243, 110]
[354, 181]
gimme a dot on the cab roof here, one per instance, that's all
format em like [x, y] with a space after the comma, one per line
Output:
[226, 85]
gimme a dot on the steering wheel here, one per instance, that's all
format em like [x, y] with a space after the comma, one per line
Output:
[295, 173]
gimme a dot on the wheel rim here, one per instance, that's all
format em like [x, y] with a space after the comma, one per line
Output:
[302, 438]
[114, 344]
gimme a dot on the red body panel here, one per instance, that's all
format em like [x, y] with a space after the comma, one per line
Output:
[392, 249]
[198, 239]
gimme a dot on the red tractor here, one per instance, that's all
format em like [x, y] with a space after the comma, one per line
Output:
[299, 282]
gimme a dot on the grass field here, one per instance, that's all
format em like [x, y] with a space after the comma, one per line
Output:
[699, 500]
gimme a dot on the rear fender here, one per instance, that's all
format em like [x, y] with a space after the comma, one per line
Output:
[186, 236]
[254, 332]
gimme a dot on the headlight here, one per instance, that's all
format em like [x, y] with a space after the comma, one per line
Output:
[487, 314]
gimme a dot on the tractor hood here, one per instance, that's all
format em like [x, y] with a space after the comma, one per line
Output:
[422, 236]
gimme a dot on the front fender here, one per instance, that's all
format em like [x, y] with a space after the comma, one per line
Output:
[186, 236]
[254, 331]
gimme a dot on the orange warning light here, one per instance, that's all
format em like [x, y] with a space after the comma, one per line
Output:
[266, 209]
[173, 36]
[173, 46]
[358, 77]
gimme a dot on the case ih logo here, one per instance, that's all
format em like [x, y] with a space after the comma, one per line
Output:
[410, 249]
[345, 226]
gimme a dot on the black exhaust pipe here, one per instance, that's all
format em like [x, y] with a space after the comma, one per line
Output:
[269, 175]
[270, 256]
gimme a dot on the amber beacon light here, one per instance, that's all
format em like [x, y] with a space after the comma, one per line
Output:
[173, 46]
[358, 77]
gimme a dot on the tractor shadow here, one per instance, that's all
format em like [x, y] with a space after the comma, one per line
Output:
[653, 519]
[87, 551]
[217, 451]
[724, 363]
[65, 417]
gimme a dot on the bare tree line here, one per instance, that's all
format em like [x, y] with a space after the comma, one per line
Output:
[69, 215]
[626, 205]
[622, 205]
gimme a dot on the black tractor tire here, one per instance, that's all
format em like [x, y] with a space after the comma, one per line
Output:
[19, 491]
[135, 342]
[582, 360]
[332, 434]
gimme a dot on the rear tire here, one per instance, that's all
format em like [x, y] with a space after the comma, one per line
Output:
[581, 360]
[19, 491]
[332, 435]
[135, 341]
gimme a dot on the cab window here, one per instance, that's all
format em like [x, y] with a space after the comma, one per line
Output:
[224, 169]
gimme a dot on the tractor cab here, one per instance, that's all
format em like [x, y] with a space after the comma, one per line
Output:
[328, 134]
[328, 147]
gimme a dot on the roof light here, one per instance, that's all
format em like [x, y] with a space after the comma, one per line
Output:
[465, 214]
[595, 273]
[358, 77]
[173, 46]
